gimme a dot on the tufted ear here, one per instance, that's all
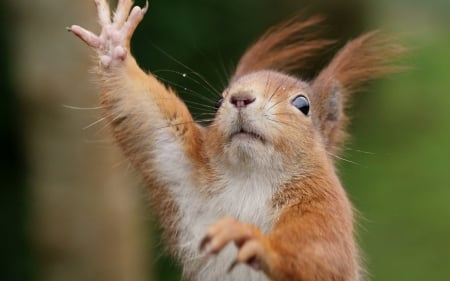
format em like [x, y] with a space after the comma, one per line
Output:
[289, 47]
[363, 59]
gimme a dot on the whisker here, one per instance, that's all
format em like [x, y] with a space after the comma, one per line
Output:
[222, 77]
[344, 159]
[188, 68]
[272, 95]
[281, 122]
[283, 113]
[184, 75]
[204, 120]
[186, 90]
[196, 108]
[199, 121]
[200, 104]
[107, 124]
[266, 88]
[82, 108]
[277, 103]
[95, 123]
[225, 72]
[99, 141]
[208, 114]
[360, 151]
[280, 86]
[185, 123]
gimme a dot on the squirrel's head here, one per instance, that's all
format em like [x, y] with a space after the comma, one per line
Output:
[266, 113]
[265, 116]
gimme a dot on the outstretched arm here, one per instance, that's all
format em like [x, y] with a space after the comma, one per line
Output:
[152, 125]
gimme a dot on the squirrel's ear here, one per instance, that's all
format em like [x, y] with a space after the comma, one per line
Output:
[359, 61]
[289, 47]
[328, 114]
[334, 111]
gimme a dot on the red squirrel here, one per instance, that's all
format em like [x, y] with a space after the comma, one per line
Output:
[254, 195]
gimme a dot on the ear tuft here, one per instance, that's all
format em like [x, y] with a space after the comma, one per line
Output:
[361, 60]
[287, 47]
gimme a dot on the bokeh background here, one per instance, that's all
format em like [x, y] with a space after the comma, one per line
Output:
[73, 209]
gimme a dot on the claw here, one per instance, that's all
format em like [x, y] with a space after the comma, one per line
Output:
[248, 239]
[145, 9]
[253, 263]
[204, 243]
[232, 266]
[135, 17]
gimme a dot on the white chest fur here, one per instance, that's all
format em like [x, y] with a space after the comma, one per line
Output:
[242, 192]
[246, 197]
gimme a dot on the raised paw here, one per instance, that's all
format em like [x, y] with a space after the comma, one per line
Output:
[113, 43]
[252, 244]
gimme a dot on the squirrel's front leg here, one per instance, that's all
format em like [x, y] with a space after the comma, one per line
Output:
[150, 123]
[253, 246]
[299, 247]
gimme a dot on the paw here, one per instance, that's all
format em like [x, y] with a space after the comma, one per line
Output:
[113, 43]
[251, 243]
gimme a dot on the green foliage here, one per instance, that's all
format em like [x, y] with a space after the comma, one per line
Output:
[402, 188]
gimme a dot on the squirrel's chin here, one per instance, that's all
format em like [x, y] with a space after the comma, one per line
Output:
[246, 147]
[247, 136]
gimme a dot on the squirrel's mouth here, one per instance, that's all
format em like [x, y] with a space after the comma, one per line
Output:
[244, 134]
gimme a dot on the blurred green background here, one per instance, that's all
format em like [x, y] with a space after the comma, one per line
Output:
[397, 172]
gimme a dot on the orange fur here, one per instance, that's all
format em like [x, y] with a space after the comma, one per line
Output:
[287, 47]
[317, 234]
[265, 165]
[361, 60]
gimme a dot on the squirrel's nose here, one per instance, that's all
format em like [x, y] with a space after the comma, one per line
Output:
[241, 100]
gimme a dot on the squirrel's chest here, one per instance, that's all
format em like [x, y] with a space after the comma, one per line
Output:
[247, 199]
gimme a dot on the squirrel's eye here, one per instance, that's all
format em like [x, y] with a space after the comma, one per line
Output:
[218, 103]
[302, 104]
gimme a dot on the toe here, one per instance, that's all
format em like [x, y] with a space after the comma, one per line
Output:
[122, 12]
[135, 17]
[103, 12]
[250, 252]
[88, 37]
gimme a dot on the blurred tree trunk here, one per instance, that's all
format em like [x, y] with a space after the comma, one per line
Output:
[87, 217]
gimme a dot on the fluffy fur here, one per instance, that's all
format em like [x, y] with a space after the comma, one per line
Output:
[263, 164]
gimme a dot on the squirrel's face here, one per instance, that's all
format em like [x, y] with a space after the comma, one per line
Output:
[262, 117]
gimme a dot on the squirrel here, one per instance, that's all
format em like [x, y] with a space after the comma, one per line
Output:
[255, 195]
